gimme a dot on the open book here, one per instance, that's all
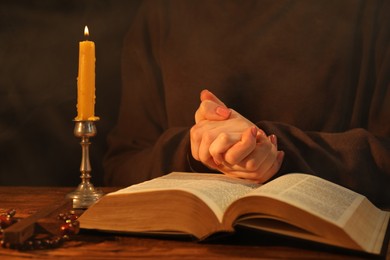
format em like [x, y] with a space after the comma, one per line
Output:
[297, 205]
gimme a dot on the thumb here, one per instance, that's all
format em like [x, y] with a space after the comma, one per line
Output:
[209, 110]
[208, 95]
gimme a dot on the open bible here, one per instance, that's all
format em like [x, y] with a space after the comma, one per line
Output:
[199, 204]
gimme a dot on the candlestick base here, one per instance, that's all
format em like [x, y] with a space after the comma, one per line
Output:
[85, 195]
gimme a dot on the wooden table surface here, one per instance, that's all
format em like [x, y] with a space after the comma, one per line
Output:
[87, 245]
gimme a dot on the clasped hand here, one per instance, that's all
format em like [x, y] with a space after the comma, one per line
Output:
[224, 140]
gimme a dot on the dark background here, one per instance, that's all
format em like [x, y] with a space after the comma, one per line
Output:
[38, 87]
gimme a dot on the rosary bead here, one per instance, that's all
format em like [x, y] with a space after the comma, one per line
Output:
[41, 241]
[5, 221]
[29, 245]
[67, 229]
[11, 212]
[61, 216]
[70, 228]
[46, 242]
[73, 217]
[56, 241]
[37, 244]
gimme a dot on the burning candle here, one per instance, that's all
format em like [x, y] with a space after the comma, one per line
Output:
[86, 80]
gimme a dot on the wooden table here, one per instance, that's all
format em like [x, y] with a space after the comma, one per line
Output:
[87, 245]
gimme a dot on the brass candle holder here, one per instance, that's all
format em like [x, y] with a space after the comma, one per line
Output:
[85, 195]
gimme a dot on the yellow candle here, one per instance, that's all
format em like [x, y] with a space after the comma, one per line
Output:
[86, 80]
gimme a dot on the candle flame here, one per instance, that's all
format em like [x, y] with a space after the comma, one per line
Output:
[86, 31]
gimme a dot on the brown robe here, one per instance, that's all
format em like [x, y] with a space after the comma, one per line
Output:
[314, 73]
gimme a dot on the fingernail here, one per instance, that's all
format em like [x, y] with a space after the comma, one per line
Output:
[254, 131]
[273, 139]
[223, 111]
[203, 92]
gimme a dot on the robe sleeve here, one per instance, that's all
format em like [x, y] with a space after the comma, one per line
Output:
[357, 157]
[141, 146]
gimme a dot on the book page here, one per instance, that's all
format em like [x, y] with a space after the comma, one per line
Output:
[218, 191]
[368, 225]
[325, 199]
